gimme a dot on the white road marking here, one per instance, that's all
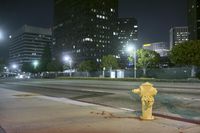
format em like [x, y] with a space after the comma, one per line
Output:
[66, 100]
[127, 109]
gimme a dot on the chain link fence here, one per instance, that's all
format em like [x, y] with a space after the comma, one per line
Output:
[158, 73]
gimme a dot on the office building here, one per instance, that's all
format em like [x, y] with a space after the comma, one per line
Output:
[83, 29]
[178, 35]
[126, 34]
[194, 19]
[126, 31]
[160, 47]
[27, 44]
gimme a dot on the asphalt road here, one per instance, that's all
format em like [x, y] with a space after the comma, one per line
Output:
[176, 99]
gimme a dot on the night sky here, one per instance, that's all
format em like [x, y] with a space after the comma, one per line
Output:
[155, 17]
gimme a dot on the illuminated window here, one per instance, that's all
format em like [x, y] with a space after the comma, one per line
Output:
[88, 39]
[78, 51]
[115, 33]
[112, 10]
[101, 16]
[93, 10]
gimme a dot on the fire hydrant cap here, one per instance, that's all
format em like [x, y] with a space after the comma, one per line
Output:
[147, 84]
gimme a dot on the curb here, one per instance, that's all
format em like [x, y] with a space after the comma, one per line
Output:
[155, 114]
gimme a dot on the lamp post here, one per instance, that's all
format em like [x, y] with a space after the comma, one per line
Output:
[1, 35]
[132, 52]
[35, 64]
[68, 59]
[6, 69]
[104, 71]
[14, 68]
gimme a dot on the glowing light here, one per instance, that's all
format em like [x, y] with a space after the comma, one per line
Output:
[14, 66]
[1, 35]
[130, 48]
[67, 58]
[147, 45]
[35, 63]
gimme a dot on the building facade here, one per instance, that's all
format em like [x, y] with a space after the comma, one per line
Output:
[83, 29]
[27, 44]
[161, 48]
[194, 19]
[178, 35]
[126, 34]
[126, 31]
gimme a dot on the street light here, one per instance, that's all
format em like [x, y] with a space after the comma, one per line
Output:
[68, 59]
[6, 69]
[14, 66]
[35, 64]
[1, 35]
[132, 51]
[104, 71]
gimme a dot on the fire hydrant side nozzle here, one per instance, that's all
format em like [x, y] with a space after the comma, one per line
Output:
[136, 91]
[147, 93]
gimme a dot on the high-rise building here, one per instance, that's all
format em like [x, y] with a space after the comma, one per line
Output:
[84, 28]
[27, 44]
[194, 19]
[126, 33]
[161, 48]
[178, 35]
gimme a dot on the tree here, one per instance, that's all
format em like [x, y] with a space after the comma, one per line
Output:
[45, 59]
[87, 66]
[28, 67]
[187, 54]
[147, 58]
[54, 66]
[109, 62]
[2, 64]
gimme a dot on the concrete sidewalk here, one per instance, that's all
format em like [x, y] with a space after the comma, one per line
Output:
[22, 112]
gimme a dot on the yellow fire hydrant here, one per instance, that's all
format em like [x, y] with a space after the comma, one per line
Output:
[147, 93]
